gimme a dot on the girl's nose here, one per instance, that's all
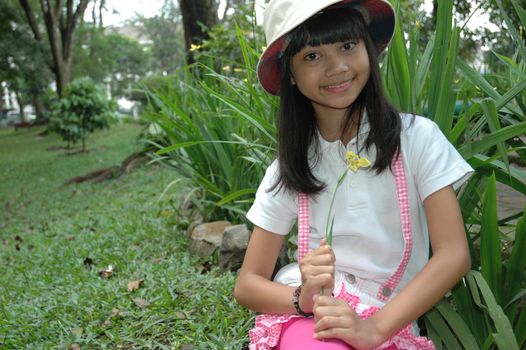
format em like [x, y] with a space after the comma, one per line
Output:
[335, 65]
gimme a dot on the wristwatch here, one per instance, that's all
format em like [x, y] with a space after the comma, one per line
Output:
[296, 302]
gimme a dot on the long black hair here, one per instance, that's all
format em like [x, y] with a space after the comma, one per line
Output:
[297, 128]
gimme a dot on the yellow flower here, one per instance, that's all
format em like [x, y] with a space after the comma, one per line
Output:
[226, 69]
[354, 162]
[194, 47]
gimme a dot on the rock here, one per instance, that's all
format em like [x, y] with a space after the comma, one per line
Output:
[235, 238]
[233, 247]
[207, 237]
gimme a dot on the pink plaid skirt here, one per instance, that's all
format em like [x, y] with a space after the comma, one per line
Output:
[267, 331]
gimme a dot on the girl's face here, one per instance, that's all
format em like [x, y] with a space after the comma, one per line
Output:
[332, 76]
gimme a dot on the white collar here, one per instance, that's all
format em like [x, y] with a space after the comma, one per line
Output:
[362, 132]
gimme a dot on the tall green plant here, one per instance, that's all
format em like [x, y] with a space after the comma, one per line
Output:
[485, 131]
[219, 129]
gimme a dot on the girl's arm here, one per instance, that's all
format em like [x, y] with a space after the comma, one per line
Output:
[254, 289]
[450, 261]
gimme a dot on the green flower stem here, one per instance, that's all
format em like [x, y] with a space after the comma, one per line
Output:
[330, 218]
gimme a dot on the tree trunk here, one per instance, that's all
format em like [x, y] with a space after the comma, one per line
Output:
[20, 106]
[37, 104]
[197, 13]
[60, 26]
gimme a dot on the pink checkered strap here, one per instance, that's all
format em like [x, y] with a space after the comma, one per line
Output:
[386, 290]
[303, 225]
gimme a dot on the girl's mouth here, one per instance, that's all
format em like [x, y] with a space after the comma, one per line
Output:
[340, 87]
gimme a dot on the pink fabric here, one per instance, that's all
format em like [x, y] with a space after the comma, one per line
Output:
[405, 217]
[269, 328]
[295, 336]
[303, 225]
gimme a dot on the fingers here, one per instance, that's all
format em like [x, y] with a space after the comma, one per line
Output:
[322, 256]
[333, 317]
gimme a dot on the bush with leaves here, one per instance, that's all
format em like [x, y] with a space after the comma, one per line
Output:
[83, 109]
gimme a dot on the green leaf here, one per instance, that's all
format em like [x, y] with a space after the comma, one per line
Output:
[478, 80]
[517, 38]
[490, 111]
[520, 328]
[490, 258]
[440, 326]
[234, 195]
[516, 264]
[457, 324]
[480, 146]
[504, 337]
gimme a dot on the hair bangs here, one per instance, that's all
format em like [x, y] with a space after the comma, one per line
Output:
[328, 27]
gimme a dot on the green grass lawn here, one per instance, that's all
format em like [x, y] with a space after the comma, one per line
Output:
[54, 241]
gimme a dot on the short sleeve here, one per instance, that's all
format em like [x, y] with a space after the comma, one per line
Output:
[273, 210]
[434, 161]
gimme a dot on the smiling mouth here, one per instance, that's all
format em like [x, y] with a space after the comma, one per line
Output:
[344, 85]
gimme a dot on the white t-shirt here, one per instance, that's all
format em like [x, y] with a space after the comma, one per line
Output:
[367, 232]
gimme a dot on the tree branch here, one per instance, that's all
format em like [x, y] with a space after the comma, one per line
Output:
[31, 19]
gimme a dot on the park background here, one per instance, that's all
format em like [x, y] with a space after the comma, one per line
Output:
[117, 140]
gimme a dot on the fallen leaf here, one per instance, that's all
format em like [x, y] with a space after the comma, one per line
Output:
[157, 260]
[133, 285]
[141, 303]
[187, 347]
[75, 347]
[180, 315]
[77, 332]
[115, 312]
[70, 237]
[106, 273]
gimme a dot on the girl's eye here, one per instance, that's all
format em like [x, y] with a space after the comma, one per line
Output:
[311, 56]
[349, 45]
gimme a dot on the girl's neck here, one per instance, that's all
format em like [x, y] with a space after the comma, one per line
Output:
[331, 122]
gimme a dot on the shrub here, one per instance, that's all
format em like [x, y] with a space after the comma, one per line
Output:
[83, 109]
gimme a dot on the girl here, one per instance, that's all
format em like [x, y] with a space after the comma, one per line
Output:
[321, 60]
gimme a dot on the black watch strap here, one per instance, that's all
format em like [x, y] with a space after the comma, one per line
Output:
[296, 302]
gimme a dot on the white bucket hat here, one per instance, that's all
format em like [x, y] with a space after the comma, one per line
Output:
[282, 16]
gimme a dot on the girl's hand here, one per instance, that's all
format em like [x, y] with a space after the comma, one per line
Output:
[317, 272]
[334, 318]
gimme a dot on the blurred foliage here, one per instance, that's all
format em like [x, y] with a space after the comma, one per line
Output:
[83, 109]
[110, 58]
[222, 50]
[165, 31]
[22, 64]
